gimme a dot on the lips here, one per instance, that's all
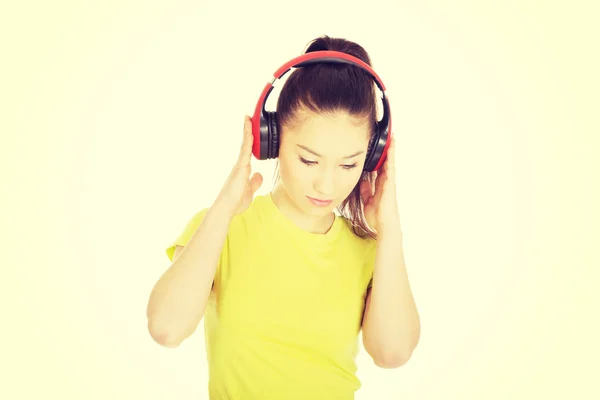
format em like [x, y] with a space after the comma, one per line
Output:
[319, 202]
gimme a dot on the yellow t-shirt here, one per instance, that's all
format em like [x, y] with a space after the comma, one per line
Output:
[284, 319]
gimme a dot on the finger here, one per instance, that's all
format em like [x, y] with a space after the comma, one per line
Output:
[391, 156]
[246, 150]
[256, 182]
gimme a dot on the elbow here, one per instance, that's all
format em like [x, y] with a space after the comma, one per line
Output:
[164, 337]
[165, 340]
[392, 359]
[388, 356]
[396, 356]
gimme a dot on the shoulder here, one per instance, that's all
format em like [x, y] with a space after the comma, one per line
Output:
[364, 245]
[361, 251]
[189, 228]
[240, 226]
[252, 215]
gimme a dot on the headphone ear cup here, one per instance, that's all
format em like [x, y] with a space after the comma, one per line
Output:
[273, 138]
[370, 161]
[371, 142]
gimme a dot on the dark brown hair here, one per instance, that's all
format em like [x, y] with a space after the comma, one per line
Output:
[327, 89]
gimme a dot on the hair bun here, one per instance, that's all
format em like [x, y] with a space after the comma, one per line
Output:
[327, 43]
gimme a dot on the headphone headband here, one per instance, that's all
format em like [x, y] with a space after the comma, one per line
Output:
[266, 138]
[327, 56]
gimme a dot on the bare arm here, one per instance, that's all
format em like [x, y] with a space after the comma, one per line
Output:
[391, 324]
[178, 300]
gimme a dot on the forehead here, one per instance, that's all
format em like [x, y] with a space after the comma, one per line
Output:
[333, 134]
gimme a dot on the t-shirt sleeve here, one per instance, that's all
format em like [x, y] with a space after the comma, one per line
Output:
[186, 234]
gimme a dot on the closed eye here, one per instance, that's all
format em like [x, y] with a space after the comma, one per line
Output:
[307, 162]
[311, 163]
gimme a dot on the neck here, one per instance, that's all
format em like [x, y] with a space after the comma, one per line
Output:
[310, 223]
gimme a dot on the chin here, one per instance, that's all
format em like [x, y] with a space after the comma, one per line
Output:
[318, 210]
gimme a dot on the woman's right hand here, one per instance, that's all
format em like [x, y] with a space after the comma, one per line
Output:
[237, 193]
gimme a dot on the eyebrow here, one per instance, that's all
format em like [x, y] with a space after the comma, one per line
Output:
[318, 155]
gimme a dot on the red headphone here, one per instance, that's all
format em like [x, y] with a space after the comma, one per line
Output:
[264, 123]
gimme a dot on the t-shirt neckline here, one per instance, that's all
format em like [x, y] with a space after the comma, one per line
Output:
[289, 226]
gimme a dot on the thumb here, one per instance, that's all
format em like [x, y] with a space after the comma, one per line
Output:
[256, 182]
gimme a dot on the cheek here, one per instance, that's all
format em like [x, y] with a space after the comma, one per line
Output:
[293, 173]
[351, 178]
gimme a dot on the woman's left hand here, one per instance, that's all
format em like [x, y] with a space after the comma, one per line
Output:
[380, 202]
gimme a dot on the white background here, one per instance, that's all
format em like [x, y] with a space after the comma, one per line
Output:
[123, 119]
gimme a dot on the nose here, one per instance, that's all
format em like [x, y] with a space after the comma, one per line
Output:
[324, 183]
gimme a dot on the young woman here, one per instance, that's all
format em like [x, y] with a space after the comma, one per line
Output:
[286, 281]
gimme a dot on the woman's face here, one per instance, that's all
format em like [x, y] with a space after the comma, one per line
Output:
[321, 158]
